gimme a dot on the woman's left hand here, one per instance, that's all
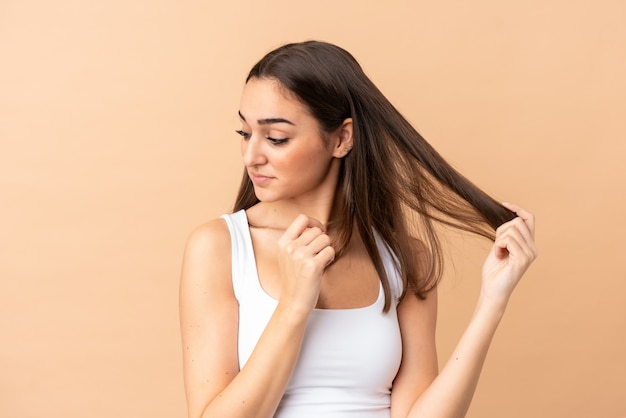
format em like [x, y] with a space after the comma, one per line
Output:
[512, 253]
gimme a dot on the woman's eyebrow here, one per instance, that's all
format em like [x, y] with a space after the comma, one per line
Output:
[269, 121]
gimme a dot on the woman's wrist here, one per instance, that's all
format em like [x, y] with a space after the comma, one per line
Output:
[292, 313]
[492, 306]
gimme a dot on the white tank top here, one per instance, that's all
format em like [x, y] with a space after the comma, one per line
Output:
[349, 357]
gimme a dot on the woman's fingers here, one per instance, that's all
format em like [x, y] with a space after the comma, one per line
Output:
[299, 225]
[306, 238]
[304, 234]
[524, 223]
[326, 256]
[520, 227]
[527, 217]
[513, 243]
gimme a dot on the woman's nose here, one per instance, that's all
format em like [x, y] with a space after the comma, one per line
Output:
[252, 151]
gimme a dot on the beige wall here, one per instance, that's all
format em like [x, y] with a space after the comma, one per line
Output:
[116, 129]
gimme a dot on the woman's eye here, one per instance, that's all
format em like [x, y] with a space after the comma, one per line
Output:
[244, 135]
[276, 141]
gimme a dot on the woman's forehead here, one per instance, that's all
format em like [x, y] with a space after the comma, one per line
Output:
[268, 99]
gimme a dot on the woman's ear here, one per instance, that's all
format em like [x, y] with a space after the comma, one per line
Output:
[344, 139]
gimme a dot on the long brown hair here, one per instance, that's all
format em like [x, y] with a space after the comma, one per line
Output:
[391, 173]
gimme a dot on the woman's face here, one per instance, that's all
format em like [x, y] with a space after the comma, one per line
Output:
[282, 147]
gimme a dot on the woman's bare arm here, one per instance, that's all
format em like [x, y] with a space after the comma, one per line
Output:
[450, 393]
[419, 367]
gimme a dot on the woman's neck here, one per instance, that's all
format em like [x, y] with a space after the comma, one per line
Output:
[279, 215]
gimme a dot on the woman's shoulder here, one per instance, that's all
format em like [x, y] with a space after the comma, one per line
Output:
[210, 239]
[206, 268]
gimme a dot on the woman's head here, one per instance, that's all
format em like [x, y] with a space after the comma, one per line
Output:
[331, 84]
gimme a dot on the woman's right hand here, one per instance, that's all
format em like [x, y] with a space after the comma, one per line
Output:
[304, 253]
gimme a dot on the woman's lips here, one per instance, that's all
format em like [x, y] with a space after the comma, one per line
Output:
[260, 179]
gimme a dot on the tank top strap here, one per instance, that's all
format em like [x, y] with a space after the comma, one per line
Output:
[392, 267]
[243, 265]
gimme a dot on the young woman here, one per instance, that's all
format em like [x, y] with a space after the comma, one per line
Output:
[317, 296]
